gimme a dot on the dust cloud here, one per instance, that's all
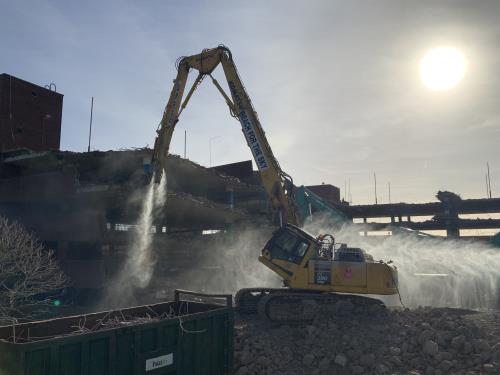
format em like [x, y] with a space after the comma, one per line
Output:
[432, 271]
[233, 264]
[216, 263]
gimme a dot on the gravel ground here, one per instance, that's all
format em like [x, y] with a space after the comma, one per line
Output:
[425, 341]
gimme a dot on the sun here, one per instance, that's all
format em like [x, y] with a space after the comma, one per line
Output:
[442, 68]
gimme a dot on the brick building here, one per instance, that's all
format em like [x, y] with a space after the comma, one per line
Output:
[30, 116]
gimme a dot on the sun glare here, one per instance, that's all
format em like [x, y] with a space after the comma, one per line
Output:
[442, 68]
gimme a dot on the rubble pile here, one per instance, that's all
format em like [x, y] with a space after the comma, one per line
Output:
[425, 341]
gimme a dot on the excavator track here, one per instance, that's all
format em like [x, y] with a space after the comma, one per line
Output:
[246, 300]
[302, 307]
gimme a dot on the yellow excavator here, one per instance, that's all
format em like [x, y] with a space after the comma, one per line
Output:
[315, 270]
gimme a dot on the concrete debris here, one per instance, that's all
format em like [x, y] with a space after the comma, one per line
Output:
[430, 347]
[124, 171]
[340, 360]
[424, 341]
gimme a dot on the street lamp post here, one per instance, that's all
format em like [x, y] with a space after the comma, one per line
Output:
[210, 147]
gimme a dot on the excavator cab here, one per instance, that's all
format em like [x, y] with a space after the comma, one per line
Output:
[287, 244]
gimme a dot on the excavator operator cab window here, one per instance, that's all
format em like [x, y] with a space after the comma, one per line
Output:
[286, 245]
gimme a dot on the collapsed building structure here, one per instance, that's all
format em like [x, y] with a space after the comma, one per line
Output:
[448, 215]
[84, 206]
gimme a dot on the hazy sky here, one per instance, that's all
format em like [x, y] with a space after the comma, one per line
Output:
[335, 84]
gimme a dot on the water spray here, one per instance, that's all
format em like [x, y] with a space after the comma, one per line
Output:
[437, 272]
[139, 265]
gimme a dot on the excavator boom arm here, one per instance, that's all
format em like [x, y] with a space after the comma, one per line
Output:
[278, 184]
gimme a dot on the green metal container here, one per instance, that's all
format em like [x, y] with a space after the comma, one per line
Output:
[185, 337]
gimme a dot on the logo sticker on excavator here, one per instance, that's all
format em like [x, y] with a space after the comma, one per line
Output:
[322, 272]
[249, 130]
[253, 142]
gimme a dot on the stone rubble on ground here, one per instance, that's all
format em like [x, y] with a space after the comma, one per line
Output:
[424, 341]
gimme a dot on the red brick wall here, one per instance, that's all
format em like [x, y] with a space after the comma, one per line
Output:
[30, 116]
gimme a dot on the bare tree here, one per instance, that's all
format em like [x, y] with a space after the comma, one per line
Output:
[27, 272]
